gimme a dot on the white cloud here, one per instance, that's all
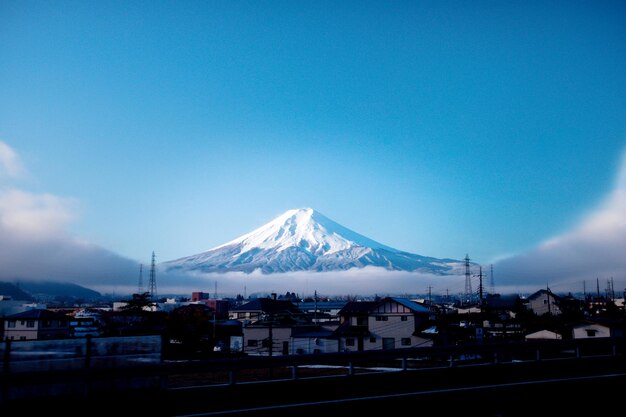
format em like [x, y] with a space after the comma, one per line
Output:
[34, 243]
[31, 216]
[355, 282]
[10, 164]
[596, 249]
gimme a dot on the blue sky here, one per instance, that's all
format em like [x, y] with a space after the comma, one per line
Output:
[440, 128]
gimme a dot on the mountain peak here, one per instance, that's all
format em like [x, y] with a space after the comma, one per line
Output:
[304, 239]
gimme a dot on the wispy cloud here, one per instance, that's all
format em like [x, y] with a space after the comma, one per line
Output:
[595, 249]
[10, 164]
[35, 244]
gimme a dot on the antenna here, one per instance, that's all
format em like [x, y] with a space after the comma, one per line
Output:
[215, 292]
[152, 285]
[492, 282]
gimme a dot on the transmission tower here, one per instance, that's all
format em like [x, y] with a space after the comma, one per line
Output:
[152, 285]
[468, 281]
[492, 282]
[140, 285]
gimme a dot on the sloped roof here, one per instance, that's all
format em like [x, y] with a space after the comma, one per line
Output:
[38, 314]
[269, 305]
[356, 307]
[411, 305]
[541, 292]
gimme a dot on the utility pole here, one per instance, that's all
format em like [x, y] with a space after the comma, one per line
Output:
[315, 307]
[548, 295]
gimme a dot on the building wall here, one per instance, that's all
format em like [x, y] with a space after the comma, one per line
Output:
[591, 331]
[253, 337]
[397, 326]
[30, 329]
[310, 345]
[542, 305]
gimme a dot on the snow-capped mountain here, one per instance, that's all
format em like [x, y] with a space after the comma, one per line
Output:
[305, 240]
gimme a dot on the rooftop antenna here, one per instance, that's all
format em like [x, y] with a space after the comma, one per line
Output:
[468, 280]
[152, 285]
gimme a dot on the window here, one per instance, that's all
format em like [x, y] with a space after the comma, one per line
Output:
[591, 332]
[30, 323]
[11, 323]
[361, 321]
[372, 340]
[405, 341]
[46, 323]
[350, 341]
[404, 318]
[382, 318]
[253, 343]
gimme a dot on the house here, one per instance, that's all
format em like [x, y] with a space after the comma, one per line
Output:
[267, 308]
[588, 330]
[314, 339]
[544, 302]
[397, 323]
[322, 311]
[268, 325]
[86, 322]
[36, 324]
[386, 324]
[353, 327]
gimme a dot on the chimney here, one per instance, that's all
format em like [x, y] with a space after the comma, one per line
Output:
[273, 296]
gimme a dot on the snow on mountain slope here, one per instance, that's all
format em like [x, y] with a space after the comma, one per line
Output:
[305, 240]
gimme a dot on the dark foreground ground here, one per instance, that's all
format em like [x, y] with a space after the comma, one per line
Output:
[564, 387]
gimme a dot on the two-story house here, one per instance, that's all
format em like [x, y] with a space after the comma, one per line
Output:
[544, 302]
[36, 324]
[387, 324]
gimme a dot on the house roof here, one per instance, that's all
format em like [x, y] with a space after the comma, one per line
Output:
[269, 305]
[541, 292]
[411, 305]
[38, 314]
[357, 307]
[326, 305]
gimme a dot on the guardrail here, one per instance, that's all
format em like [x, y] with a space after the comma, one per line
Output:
[230, 370]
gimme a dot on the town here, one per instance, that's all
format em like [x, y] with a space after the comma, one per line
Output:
[202, 326]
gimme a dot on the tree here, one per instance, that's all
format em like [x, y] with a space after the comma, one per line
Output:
[138, 302]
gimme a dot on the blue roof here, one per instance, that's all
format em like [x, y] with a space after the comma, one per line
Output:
[412, 305]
